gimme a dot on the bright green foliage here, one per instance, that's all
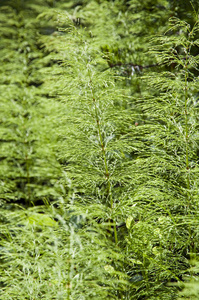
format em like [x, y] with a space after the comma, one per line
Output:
[166, 191]
[27, 134]
[191, 286]
[112, 139]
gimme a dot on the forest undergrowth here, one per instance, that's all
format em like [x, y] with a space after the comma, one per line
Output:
[99, 150]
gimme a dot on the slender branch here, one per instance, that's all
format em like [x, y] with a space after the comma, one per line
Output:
[130, 64]
[137, 67]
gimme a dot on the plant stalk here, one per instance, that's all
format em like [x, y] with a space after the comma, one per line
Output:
[107, 174]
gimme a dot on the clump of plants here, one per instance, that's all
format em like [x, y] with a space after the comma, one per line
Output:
[114, 164]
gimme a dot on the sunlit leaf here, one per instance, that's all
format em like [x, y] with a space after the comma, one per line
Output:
[128, 222]
[41, 220]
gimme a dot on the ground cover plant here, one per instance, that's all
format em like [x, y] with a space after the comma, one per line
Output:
[99, 150]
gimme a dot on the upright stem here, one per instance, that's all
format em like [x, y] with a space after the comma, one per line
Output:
[28, 195]
[107, 174]
[186, 128]
[186, 124]
[192, 247]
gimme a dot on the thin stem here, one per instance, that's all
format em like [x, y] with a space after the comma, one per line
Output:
[186, 120]
[187, 146]
[107, 174]
[28, 197]
[186, 124]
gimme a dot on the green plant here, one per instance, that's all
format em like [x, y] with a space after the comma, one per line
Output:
[166, 191]
[29, 170]
[190, 286]
[123, 220]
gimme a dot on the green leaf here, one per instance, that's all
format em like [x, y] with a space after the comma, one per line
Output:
[136, 261]
[109, 269]
[128, 222]
[41, 220]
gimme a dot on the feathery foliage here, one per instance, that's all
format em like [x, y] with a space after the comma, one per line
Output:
[28, 162]
[104, 131]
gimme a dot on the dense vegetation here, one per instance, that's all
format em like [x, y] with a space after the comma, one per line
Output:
[99, 149]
